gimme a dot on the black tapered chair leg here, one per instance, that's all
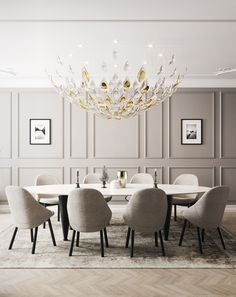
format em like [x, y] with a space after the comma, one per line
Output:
[127, 238]
[132, 244]
[156, 238]
[162, 244]
[102, 243]
[35, 240]
[44, 225]
[175, 212]
[58, 213]
[182, 233]
[13, 238]
[52, 233]
[203, 235]
[199, 240]
[72, 243]
[221, 238]
[106, 238]
[31, 235]
[77, 238]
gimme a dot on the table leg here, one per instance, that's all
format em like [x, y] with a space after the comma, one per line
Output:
[168, 217]
[64, 215]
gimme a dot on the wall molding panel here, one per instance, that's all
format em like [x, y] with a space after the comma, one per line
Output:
[140, 144]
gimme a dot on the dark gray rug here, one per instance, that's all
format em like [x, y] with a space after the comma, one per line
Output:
[146, 255]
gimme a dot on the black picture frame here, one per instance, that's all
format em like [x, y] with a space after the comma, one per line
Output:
[47, 128]
[194, 141]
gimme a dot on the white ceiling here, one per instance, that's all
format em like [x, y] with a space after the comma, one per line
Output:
[201, 34]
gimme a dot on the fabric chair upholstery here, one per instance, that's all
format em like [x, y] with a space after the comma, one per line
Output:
[26, 212]
[142, 178]
[146, 212]
[185, 179]
[88, 212]
[42, 180]
[93, 178]
[207, 213]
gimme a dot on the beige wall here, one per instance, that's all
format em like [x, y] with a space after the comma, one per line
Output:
[136, 145]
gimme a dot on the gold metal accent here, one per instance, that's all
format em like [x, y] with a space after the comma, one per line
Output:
[122, 177]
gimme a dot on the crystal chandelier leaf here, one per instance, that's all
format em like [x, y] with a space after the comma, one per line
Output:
[117, 98]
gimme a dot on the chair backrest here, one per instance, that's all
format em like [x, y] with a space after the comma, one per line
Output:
[46, 179]
[187, 179]
[142, 178]
[146, 210]
[92, 178]
[87, 210]
[210, 207]
[26, 212]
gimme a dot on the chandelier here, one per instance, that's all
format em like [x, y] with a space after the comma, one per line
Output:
[118, 97]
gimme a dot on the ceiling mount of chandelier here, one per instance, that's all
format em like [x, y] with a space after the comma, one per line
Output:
[118, 97]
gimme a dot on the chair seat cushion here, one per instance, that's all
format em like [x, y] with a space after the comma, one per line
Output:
[54, 200]
[178, 200]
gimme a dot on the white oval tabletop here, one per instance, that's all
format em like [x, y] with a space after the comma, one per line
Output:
[65, 189]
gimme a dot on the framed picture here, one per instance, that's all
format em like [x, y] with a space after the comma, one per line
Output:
[40, 131]
[191, 131]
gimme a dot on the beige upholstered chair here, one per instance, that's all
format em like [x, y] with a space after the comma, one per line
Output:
[146, 212]
[27, 213]
[187, 199]
[93, 178]
[142, 178]
[48, 200]
[207, 213]
[88, 212]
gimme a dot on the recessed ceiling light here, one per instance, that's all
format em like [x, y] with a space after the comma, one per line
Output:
[150, 45]
[79, 45]
[160, 55]
[115, 65]
[115, 41]
[70, 55]
[85, 62]
[144, 62]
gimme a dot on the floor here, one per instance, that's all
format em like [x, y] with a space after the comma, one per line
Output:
[118, 282]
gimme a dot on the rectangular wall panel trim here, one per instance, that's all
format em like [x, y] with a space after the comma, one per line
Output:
[221, 125]
[110, 157]
[38, 167]
[212, 156]
[145, 136]
[86, 142]
[193, 167]
[18, 121]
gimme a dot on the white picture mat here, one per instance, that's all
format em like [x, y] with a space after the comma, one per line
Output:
[197, 125]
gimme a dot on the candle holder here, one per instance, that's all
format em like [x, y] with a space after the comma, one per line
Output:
[104, 177]
[155, 179]
[77, 179]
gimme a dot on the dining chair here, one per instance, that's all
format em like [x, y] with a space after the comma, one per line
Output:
[27, 213]
[88, 212]
[142, 178]
[48, 200]
[207, 213]
[185, 199]
[93, 178]
[146, 212]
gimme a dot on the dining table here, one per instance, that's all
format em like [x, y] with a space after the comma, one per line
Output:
[63, 190]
